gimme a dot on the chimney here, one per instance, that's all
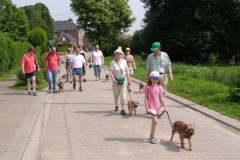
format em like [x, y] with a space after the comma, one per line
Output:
[70, 20]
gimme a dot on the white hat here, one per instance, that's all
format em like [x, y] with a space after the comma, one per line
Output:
[119, 50]
[155, 74]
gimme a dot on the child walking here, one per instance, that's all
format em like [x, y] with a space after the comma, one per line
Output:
[153, 99]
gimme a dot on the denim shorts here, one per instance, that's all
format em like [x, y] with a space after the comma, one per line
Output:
[77, 71]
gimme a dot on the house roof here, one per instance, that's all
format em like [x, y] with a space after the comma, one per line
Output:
[125, 36]
[64, 25]
[69, 36]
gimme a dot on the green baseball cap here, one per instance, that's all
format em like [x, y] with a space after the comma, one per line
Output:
[155, 46]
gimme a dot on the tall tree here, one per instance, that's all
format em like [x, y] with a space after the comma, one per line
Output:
[192, 30]
[39, 17]
[13, 21]
[102, 19]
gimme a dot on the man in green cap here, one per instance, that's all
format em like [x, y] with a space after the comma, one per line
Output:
[159, 61]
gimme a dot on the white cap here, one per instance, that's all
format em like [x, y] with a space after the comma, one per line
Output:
[154, 74]
[119, 50]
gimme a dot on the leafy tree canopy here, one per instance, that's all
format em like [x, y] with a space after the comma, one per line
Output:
[13, 21]
[37, 37]
[39, 17]
[102, 19]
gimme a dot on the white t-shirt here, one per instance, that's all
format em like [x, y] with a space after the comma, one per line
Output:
[77, 61]
[97, 58]
[116, 70]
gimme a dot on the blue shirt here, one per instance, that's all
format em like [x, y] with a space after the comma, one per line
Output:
[159, 64]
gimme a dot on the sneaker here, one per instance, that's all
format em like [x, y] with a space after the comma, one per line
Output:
[55, 91]
[153, 140]
[116, 108]
[74, 85]
[80, 88]
[123, 112]
[70, 81]
[35, 93]
[84, 80]
[29, 92]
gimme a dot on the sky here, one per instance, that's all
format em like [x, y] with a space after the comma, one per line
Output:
[62, 11]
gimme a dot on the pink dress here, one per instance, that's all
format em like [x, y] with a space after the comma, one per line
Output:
[154, 103]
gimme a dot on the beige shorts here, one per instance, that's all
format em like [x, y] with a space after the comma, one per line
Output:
[156, 112]
[130, 70]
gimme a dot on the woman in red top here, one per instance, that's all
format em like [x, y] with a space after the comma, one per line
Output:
[29, 69]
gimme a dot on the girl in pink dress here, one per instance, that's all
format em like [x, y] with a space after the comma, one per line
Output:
[153, 100]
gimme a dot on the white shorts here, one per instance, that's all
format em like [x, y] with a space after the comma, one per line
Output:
[156, 112]
[130, 70]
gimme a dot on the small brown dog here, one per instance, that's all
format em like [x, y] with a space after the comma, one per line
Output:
[60, 85]
[64, 76]
[185, 131]
[141, 85]
[107, 77]
[132, 107]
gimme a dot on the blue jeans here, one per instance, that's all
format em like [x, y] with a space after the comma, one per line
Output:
[52, 79]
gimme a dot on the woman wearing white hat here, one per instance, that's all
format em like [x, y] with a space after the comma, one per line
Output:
[120, 78]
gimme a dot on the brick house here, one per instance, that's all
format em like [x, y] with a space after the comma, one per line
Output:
[67, 32]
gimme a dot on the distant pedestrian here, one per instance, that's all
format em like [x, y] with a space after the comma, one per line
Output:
[52, 63]
[97, 60]
[153, 100]
[29, 69]
[84, 55]
[77, 63]
[120, 78]
[159, 61]
[67, 59]
[131, 64]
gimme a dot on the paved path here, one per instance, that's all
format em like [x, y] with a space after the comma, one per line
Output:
[84, 125]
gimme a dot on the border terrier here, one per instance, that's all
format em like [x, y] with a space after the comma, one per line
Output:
[185, 131]
[64, 76]
[141, 85]
[132, 107]
[107, 77]
[60, 84]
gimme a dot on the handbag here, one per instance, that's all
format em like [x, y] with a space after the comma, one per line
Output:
[120, 81]
[36, 64]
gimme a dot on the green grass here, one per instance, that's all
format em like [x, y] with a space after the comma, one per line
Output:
[209, 86]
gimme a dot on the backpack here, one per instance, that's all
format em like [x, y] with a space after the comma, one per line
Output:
[49, 55]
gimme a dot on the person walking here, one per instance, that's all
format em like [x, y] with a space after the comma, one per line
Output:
[29, 69]
[131, 64]
[120, 79]
[153, 100]
[52, 63]
[67, 59]
[159, 61]
[76, 63]
[97, 60]
[84, 55]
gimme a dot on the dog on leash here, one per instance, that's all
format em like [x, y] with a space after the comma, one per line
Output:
[64, 76]
[107, 77]
[185, 131]
[132, 107]
[141, 85]
[60, 85]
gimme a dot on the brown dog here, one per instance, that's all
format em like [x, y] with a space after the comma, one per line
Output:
[185, 131]
[107, 77]
[141, 85]
[60, 84]
[132, 107]
[64, 76]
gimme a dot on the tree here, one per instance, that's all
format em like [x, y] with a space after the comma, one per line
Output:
[13, 21]
[102, 20]
[37, 37]
[39, 17]
[191, 31]
[137, 43]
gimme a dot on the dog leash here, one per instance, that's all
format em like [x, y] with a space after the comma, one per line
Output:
[104, 69]
[169, 119]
